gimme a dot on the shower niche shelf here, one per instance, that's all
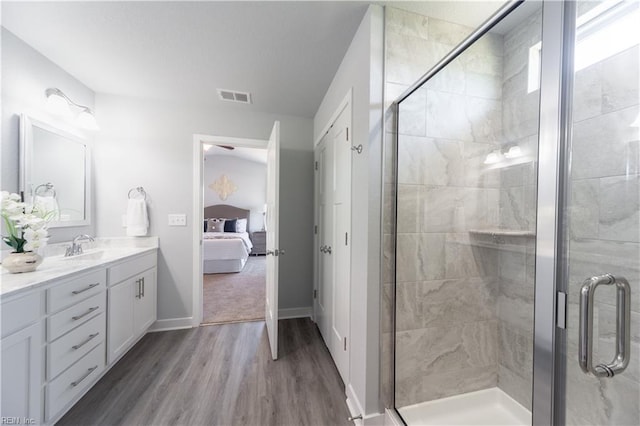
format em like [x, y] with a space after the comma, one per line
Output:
[500, 236]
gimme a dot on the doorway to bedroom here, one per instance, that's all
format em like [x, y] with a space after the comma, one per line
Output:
[234, 191]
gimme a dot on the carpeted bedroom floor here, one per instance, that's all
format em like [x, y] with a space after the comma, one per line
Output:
[237, 296]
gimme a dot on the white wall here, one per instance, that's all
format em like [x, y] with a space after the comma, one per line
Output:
[149, 143]
[26, 74]
[361, 69]
[249, 177]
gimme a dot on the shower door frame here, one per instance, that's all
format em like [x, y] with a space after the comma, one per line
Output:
[556, 77]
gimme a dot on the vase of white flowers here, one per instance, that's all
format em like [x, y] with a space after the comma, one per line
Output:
[26, 232]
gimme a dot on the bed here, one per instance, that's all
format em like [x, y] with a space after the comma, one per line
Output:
[225, 252]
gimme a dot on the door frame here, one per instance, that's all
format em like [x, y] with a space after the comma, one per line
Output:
[198, 209]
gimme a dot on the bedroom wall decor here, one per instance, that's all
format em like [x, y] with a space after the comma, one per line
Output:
[224, 187]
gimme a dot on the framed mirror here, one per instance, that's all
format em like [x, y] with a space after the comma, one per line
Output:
[55, 172]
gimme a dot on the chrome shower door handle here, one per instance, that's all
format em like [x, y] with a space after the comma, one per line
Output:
[623, 322]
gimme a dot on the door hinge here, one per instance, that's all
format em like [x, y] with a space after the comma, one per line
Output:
[315, 294]
[345, 343]
[346, 238]
[315, 230]
[316, 165]
[561, 310]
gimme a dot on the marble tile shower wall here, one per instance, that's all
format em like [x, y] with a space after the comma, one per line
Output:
[464, 307]
[517, 211]
[414, 43]
[604, 219]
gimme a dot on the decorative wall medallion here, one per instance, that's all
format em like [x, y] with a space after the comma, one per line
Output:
[224, 187]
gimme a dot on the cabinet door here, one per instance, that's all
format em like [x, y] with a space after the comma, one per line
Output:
[120, 321]
[22, 374]
[145, 305]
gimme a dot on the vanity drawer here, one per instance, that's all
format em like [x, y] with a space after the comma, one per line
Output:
[70, 318]
[68, 385]
[74, 345]
[19, 313]
[127, 269]
[72, 291]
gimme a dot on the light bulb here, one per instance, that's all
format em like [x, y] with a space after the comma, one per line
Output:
[87, 120]
[493, 157]
[513, 152]
[57, 104]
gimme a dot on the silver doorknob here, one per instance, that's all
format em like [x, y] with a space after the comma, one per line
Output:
[281, 251]
[323, 249]
[328, 249]
[269, 252]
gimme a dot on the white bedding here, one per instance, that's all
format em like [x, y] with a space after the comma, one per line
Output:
[225, 245]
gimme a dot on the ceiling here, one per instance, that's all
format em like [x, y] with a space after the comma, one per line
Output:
[257, 155]
[284, 53]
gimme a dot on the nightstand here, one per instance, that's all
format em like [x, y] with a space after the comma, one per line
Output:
[259, 241]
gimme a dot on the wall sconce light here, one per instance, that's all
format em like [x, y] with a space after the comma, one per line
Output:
[60, 104]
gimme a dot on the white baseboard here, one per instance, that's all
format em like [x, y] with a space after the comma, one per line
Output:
[355, 409]
[172, 324]
[294, 313]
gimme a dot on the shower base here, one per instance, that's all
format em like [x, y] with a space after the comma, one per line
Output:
[485, 407]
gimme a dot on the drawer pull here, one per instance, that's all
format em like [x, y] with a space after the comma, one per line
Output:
[142, 286]
[85, 289]
[91, 336]
[89, 371]
[77, 317]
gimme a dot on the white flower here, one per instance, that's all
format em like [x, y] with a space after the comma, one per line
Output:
[26, 226]
[11, 208]
[35, 238]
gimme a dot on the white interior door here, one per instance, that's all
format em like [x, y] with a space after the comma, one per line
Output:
[325, 222]
[341, 247]
[273, 248]
[333, 306]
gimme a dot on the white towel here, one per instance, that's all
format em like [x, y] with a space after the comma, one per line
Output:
[137, 219]
[48, 205]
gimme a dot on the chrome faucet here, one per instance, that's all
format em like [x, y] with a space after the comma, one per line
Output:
[76, 245]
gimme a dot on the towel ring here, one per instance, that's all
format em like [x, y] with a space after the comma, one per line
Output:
[46, 189]
[140, 190]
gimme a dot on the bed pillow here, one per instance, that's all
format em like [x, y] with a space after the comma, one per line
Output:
[215, 225]
[230, 225]
[241, 225]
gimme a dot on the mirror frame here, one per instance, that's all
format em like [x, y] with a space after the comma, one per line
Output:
[27, 124]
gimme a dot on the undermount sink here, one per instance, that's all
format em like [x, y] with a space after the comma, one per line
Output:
[88, 255]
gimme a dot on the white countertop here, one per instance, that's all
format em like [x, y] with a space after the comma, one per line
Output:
[101, 253]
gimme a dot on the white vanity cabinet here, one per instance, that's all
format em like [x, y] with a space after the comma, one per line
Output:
[22, 358]
[76, 330]
[132, 303]
[60, 335]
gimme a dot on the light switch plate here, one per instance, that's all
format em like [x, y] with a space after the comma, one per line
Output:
[178, 219]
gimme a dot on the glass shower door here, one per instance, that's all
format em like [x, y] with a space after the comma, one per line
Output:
[602, 235]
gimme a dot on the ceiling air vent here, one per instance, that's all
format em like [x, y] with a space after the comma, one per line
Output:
[234, 96]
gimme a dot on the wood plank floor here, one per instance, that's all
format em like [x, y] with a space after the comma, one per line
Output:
[219, 375]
